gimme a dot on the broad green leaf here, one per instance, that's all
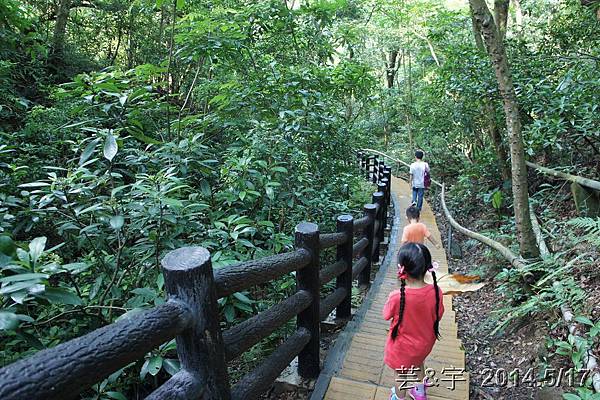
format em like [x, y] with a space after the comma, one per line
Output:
[242, 297]
[90, 208]
[180, 4]
[154, 365]
[8, 321]
[89, 150]
[116, 395]
[243, 307]
[160, 281]
[36, 248]
[7, 246]
[172, 202]
[117, 190]
[18, 286]
[136, 133]
[23, 277]
[229, 312]
[19, 297]
[581, 319]
[110, 147]
[171, 365]
[266, 223]
[205, 188]
[96, 286]
[34, 185]
[60, 296]
[144, 370]
[117, 222]
[270, 192]
[497, 199]
[75, 268]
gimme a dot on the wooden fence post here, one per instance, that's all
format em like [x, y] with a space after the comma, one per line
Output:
[380, 170]
[375, 175]
[382, 187]
[345, 224]
[377, 232]
[307, 237]
[368, 167]
[364, 279]
[189, 278]
[386, 198]
[388, 174]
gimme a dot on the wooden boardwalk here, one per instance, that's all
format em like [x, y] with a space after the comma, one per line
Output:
[360, 372]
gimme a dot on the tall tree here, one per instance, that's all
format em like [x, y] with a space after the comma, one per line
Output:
[489, 115]
[390, 68]
[493, 39]
[60, 29]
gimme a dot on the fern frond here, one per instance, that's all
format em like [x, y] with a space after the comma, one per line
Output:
[591, 227]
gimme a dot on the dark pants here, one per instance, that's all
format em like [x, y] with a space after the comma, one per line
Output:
[417, 197]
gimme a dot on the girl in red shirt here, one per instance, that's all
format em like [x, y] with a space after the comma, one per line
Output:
[415, 312]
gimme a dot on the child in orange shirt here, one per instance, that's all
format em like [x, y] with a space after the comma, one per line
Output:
[415, 231]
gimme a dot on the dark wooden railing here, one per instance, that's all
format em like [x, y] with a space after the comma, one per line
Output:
[191, 314]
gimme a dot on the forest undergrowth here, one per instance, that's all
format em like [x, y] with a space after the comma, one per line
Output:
[519, 347]
[132, 128]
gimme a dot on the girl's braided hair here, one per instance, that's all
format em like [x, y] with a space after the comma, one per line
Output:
[416, 260]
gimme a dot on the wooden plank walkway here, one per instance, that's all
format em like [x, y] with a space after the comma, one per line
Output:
[362, 374]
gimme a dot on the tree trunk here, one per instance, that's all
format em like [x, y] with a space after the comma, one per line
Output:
[495, 48]
[60, 30]
[489, 114]
[496, 138]
[390, 70]
[410, 101]
[501, 17]
[478, 39]
[518, 15]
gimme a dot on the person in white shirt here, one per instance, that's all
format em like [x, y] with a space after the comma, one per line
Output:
[417, 179]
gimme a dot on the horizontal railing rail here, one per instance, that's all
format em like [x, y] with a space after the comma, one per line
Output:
[191, 315]
[238, 277]
[63, 371]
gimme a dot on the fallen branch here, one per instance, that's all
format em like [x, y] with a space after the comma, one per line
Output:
[514, 260]
[539, 237]
[590, 183]
[588, 358]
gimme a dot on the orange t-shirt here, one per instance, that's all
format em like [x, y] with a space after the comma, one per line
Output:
[415, 233]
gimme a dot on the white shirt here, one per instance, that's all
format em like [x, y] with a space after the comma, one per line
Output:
[417, 170]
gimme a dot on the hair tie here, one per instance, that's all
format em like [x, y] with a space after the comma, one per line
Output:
[434, 267]
[401, 273]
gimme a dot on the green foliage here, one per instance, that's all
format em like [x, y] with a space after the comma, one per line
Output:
[591, 227]
[134, 144]
[224, 124]
[582, 394]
